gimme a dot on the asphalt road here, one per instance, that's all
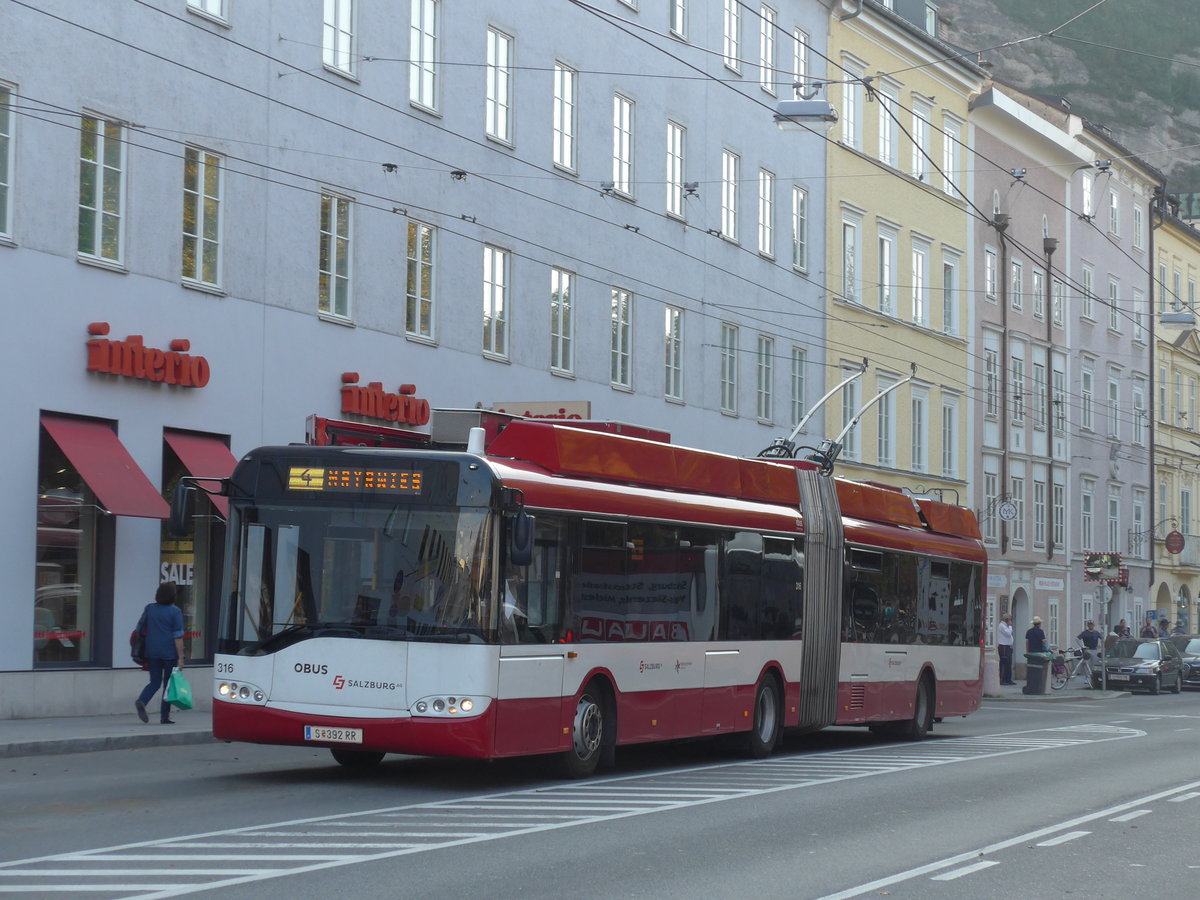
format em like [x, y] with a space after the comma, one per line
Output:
[1097, 798]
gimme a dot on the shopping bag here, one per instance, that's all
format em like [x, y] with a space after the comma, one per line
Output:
[179, 692]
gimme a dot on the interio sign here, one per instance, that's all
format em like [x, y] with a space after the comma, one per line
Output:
[373, 402]
[131, 358]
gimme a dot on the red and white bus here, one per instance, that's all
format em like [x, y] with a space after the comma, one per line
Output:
[566, 589]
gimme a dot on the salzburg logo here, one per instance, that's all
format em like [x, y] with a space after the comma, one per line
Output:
[339, 682]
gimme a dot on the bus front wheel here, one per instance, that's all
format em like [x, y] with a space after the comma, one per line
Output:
[587, 734]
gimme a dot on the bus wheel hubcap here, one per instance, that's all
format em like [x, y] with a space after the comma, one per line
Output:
[588, 722]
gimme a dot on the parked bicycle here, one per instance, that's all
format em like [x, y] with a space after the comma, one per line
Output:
[1069, 663]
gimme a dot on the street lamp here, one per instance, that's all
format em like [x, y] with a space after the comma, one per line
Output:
[806, 115]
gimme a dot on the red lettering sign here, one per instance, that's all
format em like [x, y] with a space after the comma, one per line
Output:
[131, 358]
[373, 402]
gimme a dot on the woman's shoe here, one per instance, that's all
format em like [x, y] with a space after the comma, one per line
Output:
[167, 722]
[141, 710]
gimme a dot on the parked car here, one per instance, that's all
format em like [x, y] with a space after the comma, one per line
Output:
[1142, 664]
[1188, 646]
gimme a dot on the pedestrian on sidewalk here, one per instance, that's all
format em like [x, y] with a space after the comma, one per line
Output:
[1090, 638]
[162, 622]
[1004, 646]
[1035, 638]
[1121, 630]
[1148, 630]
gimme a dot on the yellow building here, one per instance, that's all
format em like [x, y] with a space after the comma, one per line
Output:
[1176, 436]
[897, 272]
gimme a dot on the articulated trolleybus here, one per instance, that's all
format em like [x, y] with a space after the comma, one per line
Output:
[541, 588]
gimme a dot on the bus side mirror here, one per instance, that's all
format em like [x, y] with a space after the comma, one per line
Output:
[520, 551]
[180, 522]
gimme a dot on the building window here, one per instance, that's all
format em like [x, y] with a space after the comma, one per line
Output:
[991, 381]
[1038, 289]
[850, 405]
[6, 132]
[850, 261]
[1138, 538]
[1087, 195]
[69, 526]
[950, 295]
[1089, 293]
[1039, 395]
[1039, 513]
[498, 75]
[766, 213]
[1139, 229]
[201, 216]
[1087, 533]
[622, 163]
[1086, 394]
[1058, 297]
[950, 437]
[676, 136]
[1058, 389]
[766, 48]
[732, 27]
[673, 354]
[920, 430]
[1185, 510]
[799, 57]
[799, 228]
[418, 293]
[729, 360]
[1114, 517]
[1017, 526]
[920, 284]
[101, 188]
[1058, 503]
[495, 301]
[620, 374]
[889, 127]
[338, 35]
[1016, 289]
[1052, 622]
[1114, 213]
[991, 499]
[886, 424]
[562, 321]
[729, 194]
[333, 273]
[765, 372]
[565, 111]
[989, 273]
[798, 382]
[214, 8]
[1017, 374]
[423, 53]
[1114, 313]
[1114, 405]
[920, 139]
[679, 18]
[887, 273]
[1140, 413]
[950, 146]
[851, 104]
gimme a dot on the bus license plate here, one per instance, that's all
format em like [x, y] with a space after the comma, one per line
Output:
[1118, 677]
[333, 735]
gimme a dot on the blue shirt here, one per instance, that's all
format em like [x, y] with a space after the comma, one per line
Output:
[164, 623]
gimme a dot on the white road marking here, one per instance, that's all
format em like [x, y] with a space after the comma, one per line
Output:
[454, 823]
[1062, 838]
[1192, 796]
[966, 870]
[959, 858]
[1129, 816]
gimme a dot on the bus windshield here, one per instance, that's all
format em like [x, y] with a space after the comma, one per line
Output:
[381, 571]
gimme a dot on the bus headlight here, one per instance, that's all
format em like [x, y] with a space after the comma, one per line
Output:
[450, 705]
[239, 692]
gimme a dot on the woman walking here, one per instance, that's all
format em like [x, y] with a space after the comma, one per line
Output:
[162, 623]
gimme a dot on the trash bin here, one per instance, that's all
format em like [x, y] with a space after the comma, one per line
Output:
[1036, 669]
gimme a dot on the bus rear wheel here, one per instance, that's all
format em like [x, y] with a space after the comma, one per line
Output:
[588, 733]
[918, 727]
[359, 760]
[765, 730]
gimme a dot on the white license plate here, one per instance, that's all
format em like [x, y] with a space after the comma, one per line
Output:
[333, 735]
[1118, 677]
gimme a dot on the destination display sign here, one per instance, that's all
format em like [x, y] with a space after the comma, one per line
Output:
[382, 481]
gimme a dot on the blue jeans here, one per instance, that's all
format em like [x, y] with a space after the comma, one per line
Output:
[160, 672]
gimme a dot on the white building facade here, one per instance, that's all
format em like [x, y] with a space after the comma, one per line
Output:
[216, 215]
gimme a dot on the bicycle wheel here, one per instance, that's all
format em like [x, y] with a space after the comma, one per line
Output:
[1059, 680]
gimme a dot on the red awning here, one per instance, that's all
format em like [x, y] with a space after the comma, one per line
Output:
[102, 460]
[203, 457]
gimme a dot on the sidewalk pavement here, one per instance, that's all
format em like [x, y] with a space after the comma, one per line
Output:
[83, 734]
[1076, 690]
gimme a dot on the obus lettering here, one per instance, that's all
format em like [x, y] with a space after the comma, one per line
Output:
[311, 669]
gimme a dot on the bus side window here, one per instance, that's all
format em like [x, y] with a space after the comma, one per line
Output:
[741, 586]
[532, 604]
[782, 607]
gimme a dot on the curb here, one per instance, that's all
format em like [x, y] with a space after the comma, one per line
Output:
[53, 746]
[1057, 696]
